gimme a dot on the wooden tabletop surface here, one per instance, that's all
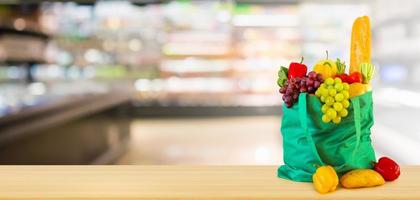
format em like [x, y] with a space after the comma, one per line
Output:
[180, 182]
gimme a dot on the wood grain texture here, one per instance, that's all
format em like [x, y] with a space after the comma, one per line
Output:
[180, 182]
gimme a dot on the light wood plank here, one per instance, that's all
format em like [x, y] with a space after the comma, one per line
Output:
[180, 182]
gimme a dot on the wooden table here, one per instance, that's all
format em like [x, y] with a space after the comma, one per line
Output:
[180, 182]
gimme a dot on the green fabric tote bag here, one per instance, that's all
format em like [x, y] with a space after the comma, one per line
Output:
[308, 142]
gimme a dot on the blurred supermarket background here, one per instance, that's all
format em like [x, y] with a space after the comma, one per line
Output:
[186, 82]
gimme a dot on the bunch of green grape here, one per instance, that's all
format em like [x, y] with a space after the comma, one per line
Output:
[335, 96]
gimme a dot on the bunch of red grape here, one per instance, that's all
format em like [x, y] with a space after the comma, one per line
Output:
[294, 86]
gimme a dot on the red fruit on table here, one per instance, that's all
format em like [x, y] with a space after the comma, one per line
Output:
[297, 70]
[388, 168]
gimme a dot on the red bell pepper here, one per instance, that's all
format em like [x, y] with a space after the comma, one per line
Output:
[343, 77]
[297, 70]
[355, 77]
[388, 168]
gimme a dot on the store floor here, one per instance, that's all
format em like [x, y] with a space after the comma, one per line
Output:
[205, 141]
[253, 140]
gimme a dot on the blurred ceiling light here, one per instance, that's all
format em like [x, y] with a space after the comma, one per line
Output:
[108, 45]
[250, 34]
[37, 88]
[394, 73]
[74, 72]
[19, 24]
[49, 22]
[262, 154]
[93, 55]
[405, 97]
[113, 23]
[284, 20]
[55, 71]
[90, 71]
[14, 72]
[223, 16]
[64, 58]
[158, 85]
[174, 152]
[195, 49]
[143, 85]
[135, 45]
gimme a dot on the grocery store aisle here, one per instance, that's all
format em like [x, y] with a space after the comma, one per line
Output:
[205, 141]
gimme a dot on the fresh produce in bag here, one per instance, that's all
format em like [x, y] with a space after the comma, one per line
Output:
[308, 141]
[327, 117]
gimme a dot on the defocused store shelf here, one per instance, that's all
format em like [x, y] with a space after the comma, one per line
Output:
[205, 111]
[212, 59]
[21, 47]
[188, 53]
[36, 34]
[78, 105]
[80, 129]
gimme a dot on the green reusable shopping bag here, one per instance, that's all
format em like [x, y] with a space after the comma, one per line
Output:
[308, 142]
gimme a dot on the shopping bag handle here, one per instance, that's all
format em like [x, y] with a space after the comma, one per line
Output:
[304, 123]
[302, 105]
[357, 123]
